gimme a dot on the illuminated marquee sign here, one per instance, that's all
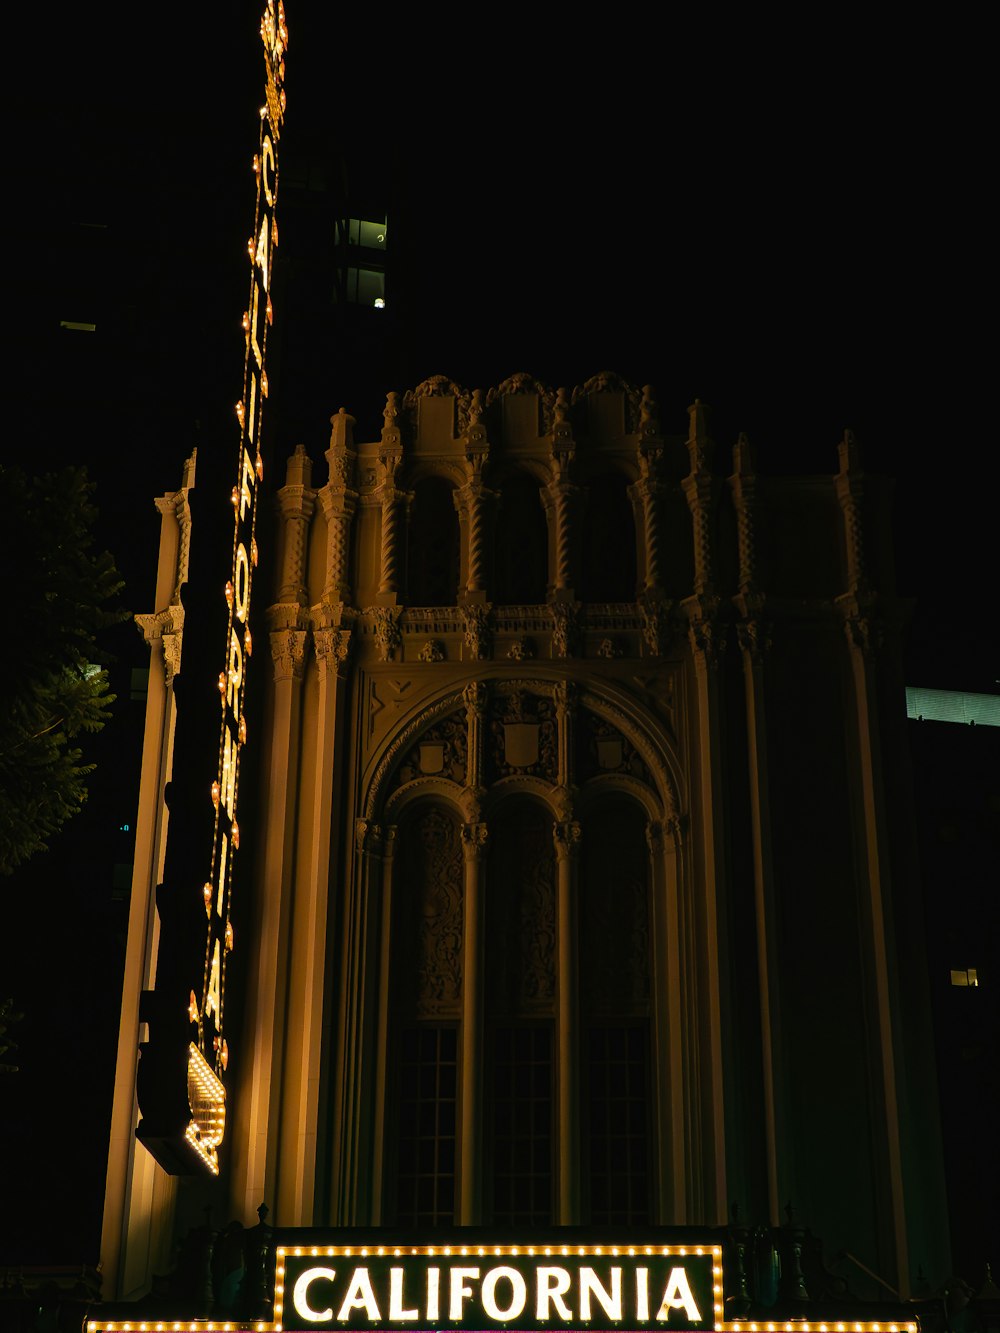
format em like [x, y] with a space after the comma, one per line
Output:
[193, 1145]
[492, 1286]
[500, 1286]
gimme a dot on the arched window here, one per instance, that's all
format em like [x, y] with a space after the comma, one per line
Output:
[608, 542]
[520, 1005]
[432, 559]
[427, 983]
[521, 565]
[615, 986]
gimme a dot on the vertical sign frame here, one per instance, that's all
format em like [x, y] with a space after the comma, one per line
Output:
[181, 1081]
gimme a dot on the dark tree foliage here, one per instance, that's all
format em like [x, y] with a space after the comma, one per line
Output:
[52, 687]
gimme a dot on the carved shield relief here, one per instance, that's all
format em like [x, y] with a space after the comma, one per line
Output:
[520, 744]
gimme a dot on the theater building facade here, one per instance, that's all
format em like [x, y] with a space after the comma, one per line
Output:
[581, 893]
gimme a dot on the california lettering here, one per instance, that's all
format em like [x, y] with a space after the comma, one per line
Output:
[481, 1291]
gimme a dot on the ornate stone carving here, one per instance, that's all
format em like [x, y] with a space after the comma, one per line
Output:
[475, 696]
[523, 729]
[567, 835]
[754, 638]
[521, 650]
[656, 624]
[332, 648]
[433, 877]
[708, 640]
[167, 628]
[524, 913]
[866, 632]
[288, 653]
[565, 628]
[441, 751]
[602, 748]
[386, 628]
[478, 634]
[367, 836]
[475, 838]
[610, 649]
[432, 651]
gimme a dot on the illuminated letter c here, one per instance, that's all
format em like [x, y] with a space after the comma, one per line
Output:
[300, 1290]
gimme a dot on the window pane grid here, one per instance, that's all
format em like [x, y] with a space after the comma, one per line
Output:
[522, 1126]
[618, 1059]
[425, 1179]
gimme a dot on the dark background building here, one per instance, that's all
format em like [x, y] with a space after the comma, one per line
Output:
[799, 241]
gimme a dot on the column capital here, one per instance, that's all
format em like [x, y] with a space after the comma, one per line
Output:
[567, 835]
[475, 838]
[288, 653]
[332, 646]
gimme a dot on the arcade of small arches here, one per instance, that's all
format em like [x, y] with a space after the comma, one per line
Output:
[522, 837]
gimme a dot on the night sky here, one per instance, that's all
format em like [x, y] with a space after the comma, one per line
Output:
[791, 225]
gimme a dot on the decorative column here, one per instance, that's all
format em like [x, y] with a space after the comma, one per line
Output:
[390, 457]
[339, 501]
[139, 1196]
[699, 487]
[564, 697]
[475, 696]
[474, 504]
[754, 638]
[359, 1007]
[257, 1106]
[296, 501]
[708, 1196]
[308, 978]
[470, 1181]
[567, 836]
[676, 1024]
[864, 630]
[561, 498]
[645, 493]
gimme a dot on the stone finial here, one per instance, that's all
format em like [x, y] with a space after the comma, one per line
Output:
[649, 412]
[743, 459]
[849, 452]
[298, 471]
[699, 441]
[342, 430]
[391, 435]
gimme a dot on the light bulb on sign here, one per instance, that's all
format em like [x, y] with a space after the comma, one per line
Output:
[260, 467]
[241, 411]
[229, 593]
[216, 791]
[243, 731]
[253, 551]
[236, 834]
[222, 682]
[248, 644]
